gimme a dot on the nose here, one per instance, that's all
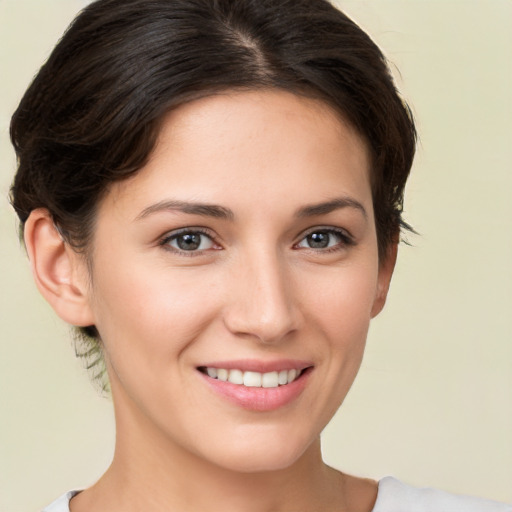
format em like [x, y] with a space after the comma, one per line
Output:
[262, 303]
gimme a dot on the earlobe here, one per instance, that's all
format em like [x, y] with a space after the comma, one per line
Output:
[386, 268]
[58, 270]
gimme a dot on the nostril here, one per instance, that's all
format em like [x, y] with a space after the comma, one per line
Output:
[263, 305]
[269, 328]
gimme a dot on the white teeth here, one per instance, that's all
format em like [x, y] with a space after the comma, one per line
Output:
[253, 379]
[269, 380]
[236, 377]
[222, 374]
[292, 375]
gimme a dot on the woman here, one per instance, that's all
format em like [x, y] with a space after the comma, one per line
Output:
[212, 192]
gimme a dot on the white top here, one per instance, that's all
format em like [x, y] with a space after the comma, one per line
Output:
[393, 496]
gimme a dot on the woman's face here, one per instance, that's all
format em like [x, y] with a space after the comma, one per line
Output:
[244, 250]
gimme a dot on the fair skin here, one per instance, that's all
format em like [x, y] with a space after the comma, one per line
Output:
[246, 244]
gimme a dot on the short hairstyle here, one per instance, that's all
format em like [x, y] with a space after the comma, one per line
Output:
[92, 114]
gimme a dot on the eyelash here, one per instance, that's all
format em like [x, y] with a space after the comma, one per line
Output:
[346, 240]
[165, 241]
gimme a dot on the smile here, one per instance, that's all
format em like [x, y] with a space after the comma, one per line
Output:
[252, 379]
[259, 386]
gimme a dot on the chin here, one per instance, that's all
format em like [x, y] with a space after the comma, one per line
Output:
[260, 456]
[259, 462]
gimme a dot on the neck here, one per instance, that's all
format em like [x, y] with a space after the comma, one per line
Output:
[173, 479]
[151, 472]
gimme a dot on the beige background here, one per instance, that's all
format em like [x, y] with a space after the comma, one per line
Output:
[433, 402]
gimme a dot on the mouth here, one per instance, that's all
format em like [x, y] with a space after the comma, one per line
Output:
[252, 379]
[275, 386]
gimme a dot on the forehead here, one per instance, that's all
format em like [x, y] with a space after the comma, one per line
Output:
[235, 146]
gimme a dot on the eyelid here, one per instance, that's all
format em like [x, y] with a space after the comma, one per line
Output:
[346, 236]
[164, 240]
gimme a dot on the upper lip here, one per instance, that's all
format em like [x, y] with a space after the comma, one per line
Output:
[254, 365]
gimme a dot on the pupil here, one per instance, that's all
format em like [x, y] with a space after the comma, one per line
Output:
[318, 240]
[189, 242]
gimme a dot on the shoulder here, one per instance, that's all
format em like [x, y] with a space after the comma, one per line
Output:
[395, 496]
[61, 504]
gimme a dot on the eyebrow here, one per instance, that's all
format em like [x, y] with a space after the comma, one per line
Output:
[203, 209]
[221, 212]
[330, 206]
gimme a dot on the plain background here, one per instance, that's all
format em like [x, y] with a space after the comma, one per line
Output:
[433, 402]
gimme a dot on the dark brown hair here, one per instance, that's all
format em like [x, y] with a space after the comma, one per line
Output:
[92, 114]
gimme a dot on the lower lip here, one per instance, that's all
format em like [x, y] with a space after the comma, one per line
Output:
[259, 399]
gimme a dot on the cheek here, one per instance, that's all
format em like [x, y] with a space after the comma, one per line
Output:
[343, 302]
[338, 304]
[151, 313]
[343, 313]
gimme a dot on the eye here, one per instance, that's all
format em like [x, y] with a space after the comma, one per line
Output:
[325, 239]
[189, 241]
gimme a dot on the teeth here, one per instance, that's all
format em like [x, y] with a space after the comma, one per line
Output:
[292, 374]
[222, 374]
[236, 377]
[254, 379]
[270, 380]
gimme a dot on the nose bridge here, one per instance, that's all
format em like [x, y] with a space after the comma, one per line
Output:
[262, 304]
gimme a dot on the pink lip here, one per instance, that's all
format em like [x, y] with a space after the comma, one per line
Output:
[258, 399]
[253, 365]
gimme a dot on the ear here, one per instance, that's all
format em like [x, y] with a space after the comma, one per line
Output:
[59, 272]
[386, 268]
